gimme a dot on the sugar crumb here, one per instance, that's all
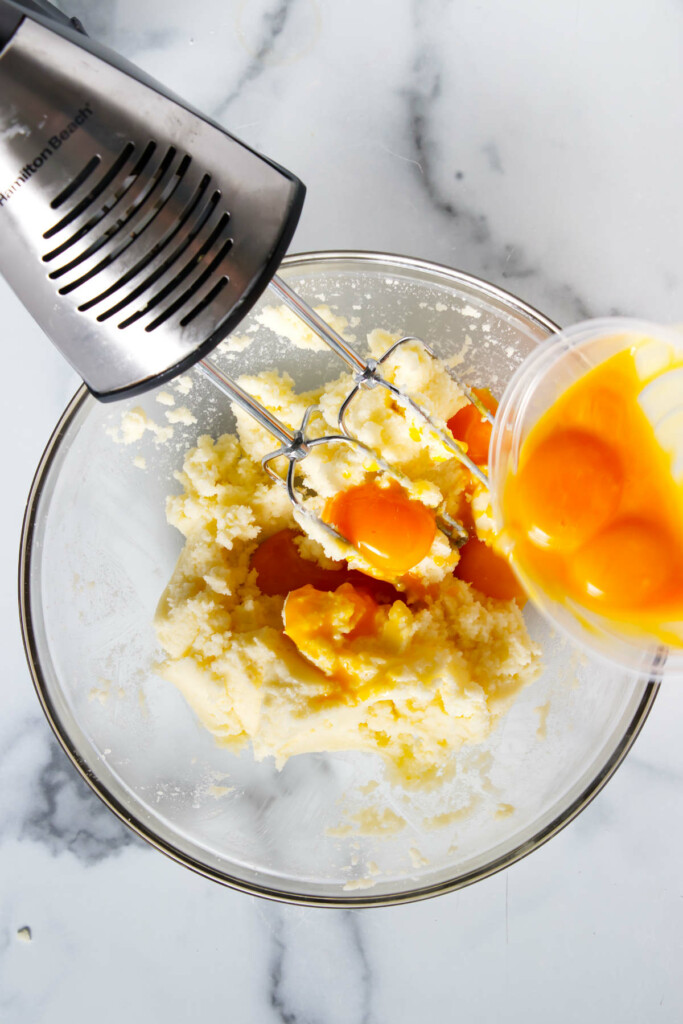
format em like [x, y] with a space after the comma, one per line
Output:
[134, 424]
[183, 385]
[417, 859]
[98, 693]
[371, 821]
[338, 831]
[218, 791]
[359, 883]
[378, 821]
[181, 415]
[24, 934]
[235, 343]
[140, 462]
[504, 811]
[286, 324]
[542, 712]
[450, 817]
[165, 398]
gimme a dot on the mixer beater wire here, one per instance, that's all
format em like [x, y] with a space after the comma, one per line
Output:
[367, 375]
[296, 445]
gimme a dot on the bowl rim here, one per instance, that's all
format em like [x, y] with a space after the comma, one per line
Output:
[295, 261]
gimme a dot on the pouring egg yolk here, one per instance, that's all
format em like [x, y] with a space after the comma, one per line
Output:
[569, 488]
[392, 531]
[593, 513]
[626, 565]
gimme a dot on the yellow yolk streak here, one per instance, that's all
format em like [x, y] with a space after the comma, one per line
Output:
[593, 512]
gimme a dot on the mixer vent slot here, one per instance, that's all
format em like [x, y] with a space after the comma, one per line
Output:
[112, 200]
[153, 209]
[206, 301]
[151, 254]
[204, 213]
[76, 183]
[96, 191]
[185, 272]
[192, 290]
[174, 270]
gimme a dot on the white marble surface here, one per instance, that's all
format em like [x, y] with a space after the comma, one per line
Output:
[537, 145]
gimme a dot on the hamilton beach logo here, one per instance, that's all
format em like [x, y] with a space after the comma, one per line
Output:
[53, 144]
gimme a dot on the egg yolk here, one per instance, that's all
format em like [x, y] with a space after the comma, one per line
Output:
[322, 624]
[342, 614]
[469, 426]
[281, 569]
[593, 513]
[388, 528]
[625, 565]
[488, 572]
[568, 488]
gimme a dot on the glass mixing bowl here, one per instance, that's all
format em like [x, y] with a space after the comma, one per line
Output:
[328, 829]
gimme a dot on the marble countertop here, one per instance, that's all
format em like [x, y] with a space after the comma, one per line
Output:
[538, 146]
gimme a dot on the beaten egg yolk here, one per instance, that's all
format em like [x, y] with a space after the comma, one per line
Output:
[570, 487]
[389, 529]
[593, 512]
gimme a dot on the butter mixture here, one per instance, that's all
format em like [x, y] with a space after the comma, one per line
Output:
[282, 637]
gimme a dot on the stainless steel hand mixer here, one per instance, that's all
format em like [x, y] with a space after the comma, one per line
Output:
[139, 233]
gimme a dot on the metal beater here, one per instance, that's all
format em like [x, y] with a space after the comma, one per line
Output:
[367, 374]
[295, 445]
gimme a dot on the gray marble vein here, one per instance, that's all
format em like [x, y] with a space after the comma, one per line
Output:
[424, 91]
[273, 22]
[66, 816]
[498, 260]
[101, 22]
[353, 922]
[492, 154]
[276, 997]
[323, 947]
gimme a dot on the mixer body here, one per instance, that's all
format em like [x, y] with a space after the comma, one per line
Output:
[136, 231]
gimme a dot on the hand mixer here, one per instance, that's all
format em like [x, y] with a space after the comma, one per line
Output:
[139, 233]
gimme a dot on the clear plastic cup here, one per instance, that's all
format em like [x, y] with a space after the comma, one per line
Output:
[545, 375]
